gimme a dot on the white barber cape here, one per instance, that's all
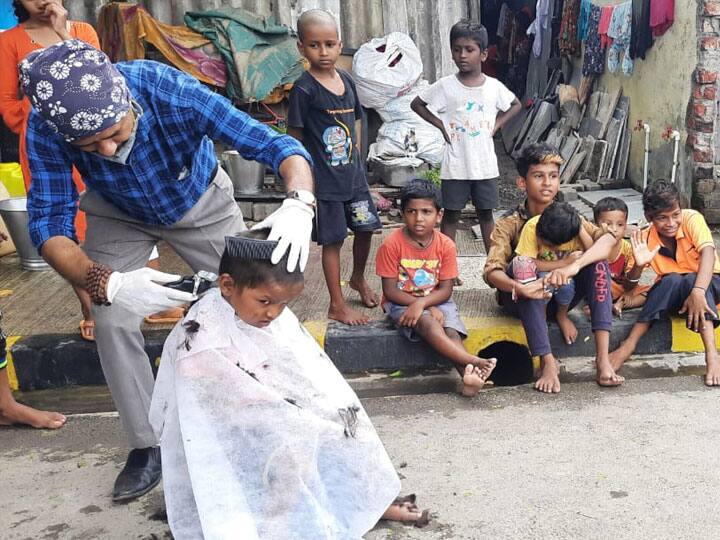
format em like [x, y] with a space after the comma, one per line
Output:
[261, 437]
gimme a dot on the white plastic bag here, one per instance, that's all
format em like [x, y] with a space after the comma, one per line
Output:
[385, 68]
[405, 139]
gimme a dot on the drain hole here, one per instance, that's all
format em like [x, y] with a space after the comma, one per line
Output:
[514, 363]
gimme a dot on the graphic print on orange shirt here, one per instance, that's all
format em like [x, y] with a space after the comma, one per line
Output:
[418, 276]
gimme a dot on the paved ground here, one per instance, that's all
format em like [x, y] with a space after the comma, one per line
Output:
[634, 462]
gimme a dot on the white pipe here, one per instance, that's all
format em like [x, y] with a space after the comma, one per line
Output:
[675, 136]
[646, 129]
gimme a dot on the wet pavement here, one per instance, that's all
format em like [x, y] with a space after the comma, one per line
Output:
[635, 462]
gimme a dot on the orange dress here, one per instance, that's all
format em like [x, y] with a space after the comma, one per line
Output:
[16, 44]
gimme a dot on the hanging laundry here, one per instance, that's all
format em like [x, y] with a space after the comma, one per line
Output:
[620, 32]
[605, 18]
[505, 22]
[584, 19]
[594, 58]
[642, 38]
[539, 25]
[568, 39]
[662, 16]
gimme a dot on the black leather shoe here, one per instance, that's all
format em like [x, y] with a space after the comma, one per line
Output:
[141, 473]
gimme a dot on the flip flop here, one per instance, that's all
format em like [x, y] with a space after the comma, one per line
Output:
[87, 330]
[166, 320]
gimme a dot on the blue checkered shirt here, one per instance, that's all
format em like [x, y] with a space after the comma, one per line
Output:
[171, 162]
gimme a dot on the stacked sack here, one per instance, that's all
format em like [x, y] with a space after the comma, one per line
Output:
[387, 73]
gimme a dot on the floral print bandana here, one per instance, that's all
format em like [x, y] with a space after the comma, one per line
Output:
[75, 88]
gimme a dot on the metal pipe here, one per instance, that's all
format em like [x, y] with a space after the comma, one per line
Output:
[646, 129]
[675, 136]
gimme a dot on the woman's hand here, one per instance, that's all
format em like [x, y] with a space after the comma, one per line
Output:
[58, 18]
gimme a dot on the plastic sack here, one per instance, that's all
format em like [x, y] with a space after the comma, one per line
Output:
[261, 435]
[405, 139]
[385, 68]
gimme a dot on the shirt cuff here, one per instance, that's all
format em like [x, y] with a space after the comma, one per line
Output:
[288, 148]
[39, 237]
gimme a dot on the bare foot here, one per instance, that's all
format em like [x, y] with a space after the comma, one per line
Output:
[475, 376]
[17, 413]
[712, 377]
[549, 382]
[347, 315]
[405, 510]
[567, 327]
[620, 355]
[367, 296]
[608, 377]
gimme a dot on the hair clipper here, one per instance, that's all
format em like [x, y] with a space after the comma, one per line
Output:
[196, 285]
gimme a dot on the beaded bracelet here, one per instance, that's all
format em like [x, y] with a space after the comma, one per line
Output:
[96, 283]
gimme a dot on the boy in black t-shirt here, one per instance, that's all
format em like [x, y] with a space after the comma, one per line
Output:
[325, 114]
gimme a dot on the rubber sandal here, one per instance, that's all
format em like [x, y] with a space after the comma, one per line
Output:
[87, 330]
[166, 320]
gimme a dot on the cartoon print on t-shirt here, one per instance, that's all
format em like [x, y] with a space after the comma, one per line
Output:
[468, 122]
[418, 276]
[338, 144]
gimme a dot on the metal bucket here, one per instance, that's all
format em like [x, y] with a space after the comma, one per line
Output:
[14, 214]
[247, 177]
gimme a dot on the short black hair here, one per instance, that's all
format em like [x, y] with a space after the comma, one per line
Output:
[536, 154]
[252, 273]
[20, 12]
[420, 188]
[659, 196]
[559, 223]
[315, 16]
[609, 204]
[465, 28]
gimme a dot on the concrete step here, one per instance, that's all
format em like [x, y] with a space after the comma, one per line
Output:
[60, 360]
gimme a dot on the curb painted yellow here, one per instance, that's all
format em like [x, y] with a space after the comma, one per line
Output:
[484, 331]
[685, 340]
[317, 330]
[12, 376]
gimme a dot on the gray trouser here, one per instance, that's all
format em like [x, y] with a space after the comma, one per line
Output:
[124, 244]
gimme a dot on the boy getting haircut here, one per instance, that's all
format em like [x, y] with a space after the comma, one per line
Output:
[539, 176]
[468, 108]
[418, 265]
[611, 213]
[239, 399]
[680, 249]
[326, 115]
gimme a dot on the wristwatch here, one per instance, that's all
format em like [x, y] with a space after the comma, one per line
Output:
[302, 195]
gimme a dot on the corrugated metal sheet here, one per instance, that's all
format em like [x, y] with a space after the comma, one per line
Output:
[428, 22]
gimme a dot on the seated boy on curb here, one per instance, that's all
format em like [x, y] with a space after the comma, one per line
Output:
[680, 249]
[547, 242]
[417, 265]
[539, 176]
[325, 114]
[611, 214]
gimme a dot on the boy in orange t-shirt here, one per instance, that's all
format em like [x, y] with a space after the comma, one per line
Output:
[417, 265]
[680, 249]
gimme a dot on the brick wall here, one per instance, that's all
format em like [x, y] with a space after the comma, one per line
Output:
[703, 126]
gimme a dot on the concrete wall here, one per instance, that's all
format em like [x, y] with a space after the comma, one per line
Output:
[659, 91]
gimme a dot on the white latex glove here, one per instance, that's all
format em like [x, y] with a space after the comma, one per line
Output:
[141, 291]
[291, 225]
